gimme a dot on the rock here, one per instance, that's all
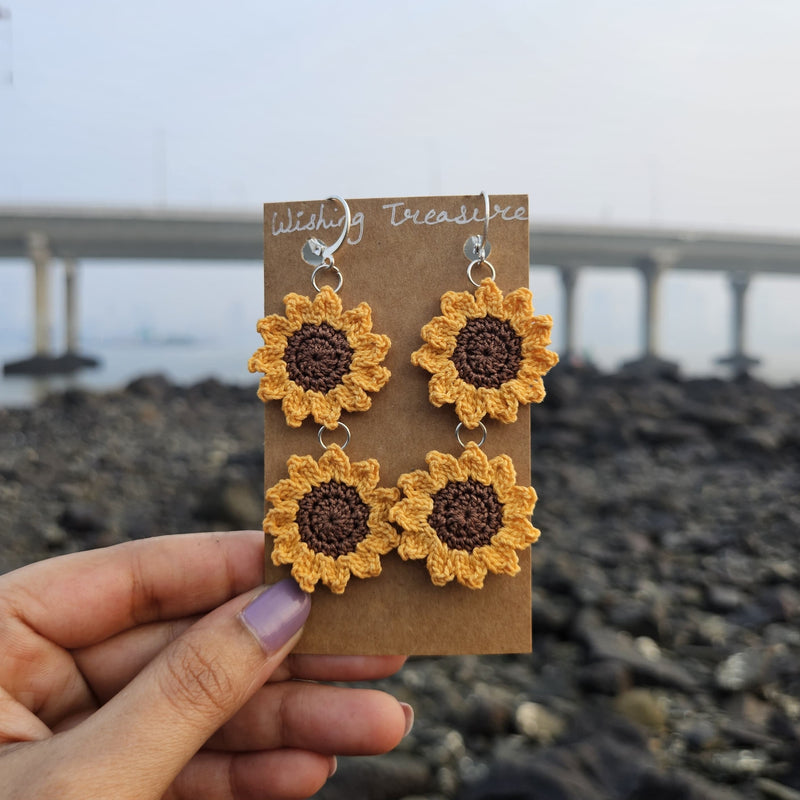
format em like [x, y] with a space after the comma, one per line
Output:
[605, 677]
[608, 644]
[388, 777]
[699, 734]
[746, 669]
[155, 386]
[607, 763]
[550, 614]
[82, 518]
[723, 599]
[488, 712]
[232, 501]
[736, 764]
[54, 537]
[779, 791]
[537, 723]
[674, 784]
[782, 603]
[639, 618]
[643, 708]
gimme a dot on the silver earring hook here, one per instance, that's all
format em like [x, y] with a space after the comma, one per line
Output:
[477, 248]
[319, 255]
[328, 252]
[485, 246]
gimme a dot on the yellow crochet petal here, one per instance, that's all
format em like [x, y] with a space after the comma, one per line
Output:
[267, 354]
[443, 468]
[468, 408]
[518, 306]
[489, 299]
[358, 320]
[334, 574]
[324, 409]
[273, 385]
[499, 559]
[370, 377]
[535, 332]
[326, 307]
[296, 405]
[297, 308]
[441, 333]
[500, 405]
[454, 304]
[469, 571]
[474, 461]
[440, 565]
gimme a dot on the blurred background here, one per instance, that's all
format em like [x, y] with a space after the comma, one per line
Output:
[677, 115]
[665, 605]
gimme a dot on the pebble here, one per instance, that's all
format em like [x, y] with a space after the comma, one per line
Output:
[537, 723]
[747, 669]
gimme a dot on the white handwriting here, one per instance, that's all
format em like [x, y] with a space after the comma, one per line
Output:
[400, 214]
[294, 221]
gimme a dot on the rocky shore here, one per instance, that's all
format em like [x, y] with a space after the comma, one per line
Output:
[666, 607]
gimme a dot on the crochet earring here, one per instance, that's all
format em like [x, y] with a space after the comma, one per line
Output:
[329, 518]
[486, 354]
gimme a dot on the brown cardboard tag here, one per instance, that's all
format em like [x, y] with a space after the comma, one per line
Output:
[401, 256]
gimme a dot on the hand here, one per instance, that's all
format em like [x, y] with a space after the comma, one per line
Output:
[113, 686]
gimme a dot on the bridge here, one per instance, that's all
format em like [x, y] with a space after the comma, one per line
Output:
[73, 235]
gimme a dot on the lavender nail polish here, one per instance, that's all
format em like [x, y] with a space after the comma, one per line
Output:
[276, 614]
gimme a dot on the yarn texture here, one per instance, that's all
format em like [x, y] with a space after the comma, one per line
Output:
[330, 519]
[319, 360]
[486, 353]
[466, 516]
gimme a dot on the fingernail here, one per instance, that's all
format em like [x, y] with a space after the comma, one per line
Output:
[334, 765]
[276, 614]
[409, 712]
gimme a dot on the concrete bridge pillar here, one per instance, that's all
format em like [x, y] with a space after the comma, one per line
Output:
[652, 267]
[738, 360]
[39, 254]
[43, 362]
[569, 279]
[71, 305]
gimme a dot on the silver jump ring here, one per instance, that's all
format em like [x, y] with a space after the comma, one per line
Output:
[322, 430]
[479, 262]
[338, 276]
[458, 434]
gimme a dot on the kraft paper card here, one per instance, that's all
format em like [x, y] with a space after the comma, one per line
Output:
[401, 256]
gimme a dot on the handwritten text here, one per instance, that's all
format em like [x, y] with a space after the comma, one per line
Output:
[400, 214]
[292, 221]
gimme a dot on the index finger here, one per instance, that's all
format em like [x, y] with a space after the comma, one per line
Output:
[83, 598]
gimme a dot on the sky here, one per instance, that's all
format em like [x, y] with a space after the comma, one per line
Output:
[668, 112]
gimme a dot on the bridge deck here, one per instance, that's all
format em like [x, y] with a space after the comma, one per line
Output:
[85, 233]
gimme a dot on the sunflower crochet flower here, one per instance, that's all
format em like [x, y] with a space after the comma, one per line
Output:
[466, 516]
[486, 354]
[330, 520]
[320, 360]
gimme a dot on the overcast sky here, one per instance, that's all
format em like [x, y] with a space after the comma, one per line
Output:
[669, 112]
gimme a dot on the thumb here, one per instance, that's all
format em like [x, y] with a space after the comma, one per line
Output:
[154, 726]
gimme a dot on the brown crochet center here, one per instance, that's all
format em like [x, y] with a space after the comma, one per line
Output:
[317, 357]
[488, 352]
[466, 514]
[332, 519]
